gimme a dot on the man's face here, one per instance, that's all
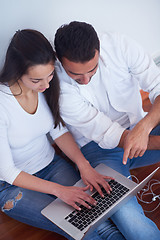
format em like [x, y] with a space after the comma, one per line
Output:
[81, 72]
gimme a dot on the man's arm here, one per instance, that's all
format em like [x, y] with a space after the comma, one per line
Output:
[136, 141]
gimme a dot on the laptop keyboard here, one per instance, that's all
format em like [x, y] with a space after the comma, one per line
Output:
[81, 219]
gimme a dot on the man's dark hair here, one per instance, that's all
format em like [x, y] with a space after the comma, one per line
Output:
[77, 41]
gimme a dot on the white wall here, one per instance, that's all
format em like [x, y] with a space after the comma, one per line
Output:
[138, 18]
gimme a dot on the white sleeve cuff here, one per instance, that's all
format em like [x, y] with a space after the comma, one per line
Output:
[58, 131]
[113, 136]
[10, 174]
[153, 95]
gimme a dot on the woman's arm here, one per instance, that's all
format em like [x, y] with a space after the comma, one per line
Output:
[70, 195]
[89, 175]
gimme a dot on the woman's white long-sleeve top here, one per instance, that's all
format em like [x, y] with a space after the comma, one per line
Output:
[99, 110]
[24, 145]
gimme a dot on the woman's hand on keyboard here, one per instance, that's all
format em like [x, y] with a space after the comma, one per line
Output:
[94, 179]
[73, 195]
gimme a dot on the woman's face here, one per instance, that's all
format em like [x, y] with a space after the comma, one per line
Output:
[38, 77]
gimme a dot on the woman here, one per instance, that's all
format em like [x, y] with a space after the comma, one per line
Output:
[31, 173]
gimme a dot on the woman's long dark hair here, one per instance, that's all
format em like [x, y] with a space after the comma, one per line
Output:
[52, 98]
[28, 48]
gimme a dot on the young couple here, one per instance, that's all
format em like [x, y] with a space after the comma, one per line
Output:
[92, 89]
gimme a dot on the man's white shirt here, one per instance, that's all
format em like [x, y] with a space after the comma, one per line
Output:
[111, 101]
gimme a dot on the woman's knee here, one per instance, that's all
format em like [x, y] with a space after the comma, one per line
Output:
[11, 203]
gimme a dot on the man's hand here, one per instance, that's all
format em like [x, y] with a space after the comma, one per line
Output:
[138, 140]
[135, 142]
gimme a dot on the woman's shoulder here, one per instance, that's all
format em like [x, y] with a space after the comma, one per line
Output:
[4, 90]
[3, 102]
[6, 99]
[5, 93]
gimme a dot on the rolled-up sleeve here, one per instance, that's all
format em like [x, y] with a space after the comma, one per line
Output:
[87, 120]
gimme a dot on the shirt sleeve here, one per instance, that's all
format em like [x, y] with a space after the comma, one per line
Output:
[89, 121]
[8, 171]
[58, 131]
[141, 66]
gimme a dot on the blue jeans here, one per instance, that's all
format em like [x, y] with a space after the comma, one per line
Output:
[130, 219]
[27, 204]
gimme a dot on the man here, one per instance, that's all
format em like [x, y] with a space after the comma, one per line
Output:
[101, 105]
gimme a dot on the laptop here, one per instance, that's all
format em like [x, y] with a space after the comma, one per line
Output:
[80, 223]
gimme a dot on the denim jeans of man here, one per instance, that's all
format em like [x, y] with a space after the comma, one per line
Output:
[130, 219]
[27, 204]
